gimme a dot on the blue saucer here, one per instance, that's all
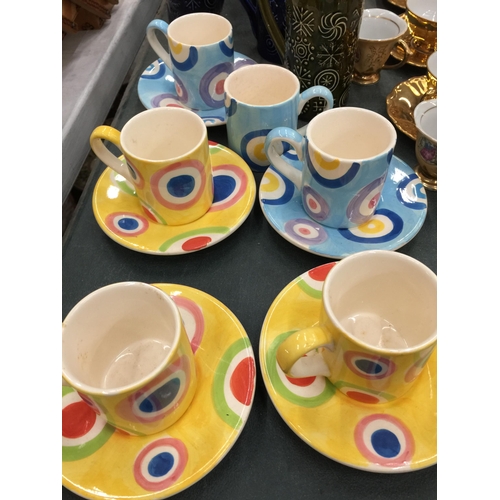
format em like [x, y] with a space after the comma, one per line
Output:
[157, 88]
[399, 216]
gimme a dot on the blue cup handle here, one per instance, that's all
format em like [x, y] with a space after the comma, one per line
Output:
[310, 93]
[160, 25]
[273, 149]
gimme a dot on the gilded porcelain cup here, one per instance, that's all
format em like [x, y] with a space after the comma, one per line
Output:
[425, 115]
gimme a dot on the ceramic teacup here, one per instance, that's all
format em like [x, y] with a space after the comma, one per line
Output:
[425, 115]
[126, 352]
[200, 56]
[259, 98]
[422, 23]
[431, 77]
[379, 33]
[345, 158]
[167, 161]
[378, 327]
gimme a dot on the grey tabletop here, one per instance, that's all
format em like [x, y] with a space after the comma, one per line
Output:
[246, 271]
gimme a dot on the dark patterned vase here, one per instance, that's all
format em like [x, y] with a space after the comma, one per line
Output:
[319, 45]
[177, 8]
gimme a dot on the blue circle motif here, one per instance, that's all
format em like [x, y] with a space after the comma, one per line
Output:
[161, 464]
[128, 224]
[161, 397]
[385, 443]
[181, 186]
[224, 186]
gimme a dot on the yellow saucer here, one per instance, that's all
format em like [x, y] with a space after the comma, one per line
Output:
[399, 436]
[119, 214]
[102, 463]
[402, 101]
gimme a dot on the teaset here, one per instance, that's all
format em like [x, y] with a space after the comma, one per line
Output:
[143, 384]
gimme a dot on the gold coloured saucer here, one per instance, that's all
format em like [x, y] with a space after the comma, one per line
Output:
[402, 101]
[398, 3]
[416, 57]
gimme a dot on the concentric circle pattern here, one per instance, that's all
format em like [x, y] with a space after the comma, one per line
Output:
[134, 224]
[397, 219]
[155, 90]
[100, 462]
[344, 422]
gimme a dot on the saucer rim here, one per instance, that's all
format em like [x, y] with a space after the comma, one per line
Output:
[390, 99]
[270, 388]
[414, 231]
[226, 444]
[245, 211]
[219, 111]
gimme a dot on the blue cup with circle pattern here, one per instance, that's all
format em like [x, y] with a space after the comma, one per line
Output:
[258, 99]
[344, 156]
[200, 56]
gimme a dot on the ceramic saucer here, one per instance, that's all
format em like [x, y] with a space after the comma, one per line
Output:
[121, 217]
[100, 462]
[157, 88]
[399, 436]
[416, 56]
[398, 218]
[402, 101]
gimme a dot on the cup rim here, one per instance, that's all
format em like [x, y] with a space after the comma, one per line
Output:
[167, 111]
[390, 16]
[419, 111]
[186, 17]
[316, 122]
[71, 379]
[416, 10]
[379, 350]
[258, 67]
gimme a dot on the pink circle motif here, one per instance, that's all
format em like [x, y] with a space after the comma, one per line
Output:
[241, 182]
[160, 464]
[161, 178]
[384, 440]
[192, 314]
[126, 223]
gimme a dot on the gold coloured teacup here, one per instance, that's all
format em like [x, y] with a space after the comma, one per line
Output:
[380, 32]
[421, 16]
[431, 77]
[425, 115]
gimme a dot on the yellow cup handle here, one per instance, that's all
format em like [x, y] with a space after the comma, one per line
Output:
[299, 344]
[106, 133]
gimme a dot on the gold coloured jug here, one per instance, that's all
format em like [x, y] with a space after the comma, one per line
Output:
[319, 45]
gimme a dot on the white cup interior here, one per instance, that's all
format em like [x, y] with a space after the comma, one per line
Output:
[384, 300]
[432, 64]
[425, 115]
[262, 85]
[351, 133]
[117, 336]
[161, 134]
[380, 24]
[199, 28]
[426, 9]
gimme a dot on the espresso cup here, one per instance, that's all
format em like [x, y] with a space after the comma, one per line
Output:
[259, 98]
[431, 92]
[421, 16]
[126, 352]
[167, 161]
[425, 115]
[200, 56]
[376, 331]
[345, 156]
[379, 33]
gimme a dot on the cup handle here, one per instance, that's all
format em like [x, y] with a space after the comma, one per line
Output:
[297, 345]
[273, 145]
[153, 26]
[406, 51]
[106, 133]
[308, 94]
